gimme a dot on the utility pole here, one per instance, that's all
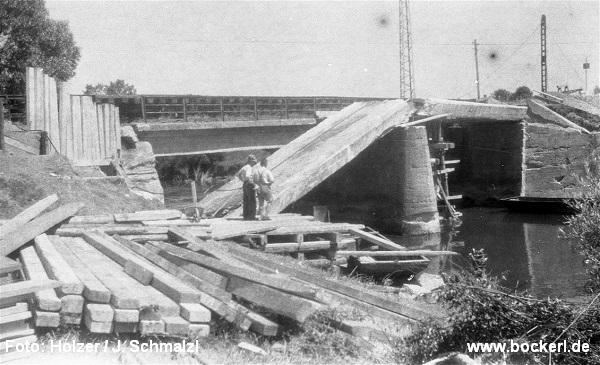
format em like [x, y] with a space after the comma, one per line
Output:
[586, 67]
[544, 68]
[476, 69]
[407, 79]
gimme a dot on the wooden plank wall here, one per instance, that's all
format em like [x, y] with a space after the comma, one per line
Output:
[86, 132]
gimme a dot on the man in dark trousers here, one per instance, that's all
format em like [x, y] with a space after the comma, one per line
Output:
[246, 176]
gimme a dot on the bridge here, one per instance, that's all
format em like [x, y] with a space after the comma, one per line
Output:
[195, 124]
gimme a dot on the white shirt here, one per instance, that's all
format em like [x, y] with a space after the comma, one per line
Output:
[245, 174]
[263, 176]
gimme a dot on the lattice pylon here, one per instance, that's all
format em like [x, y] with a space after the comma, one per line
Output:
[407, 78]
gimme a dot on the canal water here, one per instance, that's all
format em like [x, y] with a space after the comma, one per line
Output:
[528, 251]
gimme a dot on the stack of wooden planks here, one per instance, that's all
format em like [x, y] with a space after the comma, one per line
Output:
[158, 273]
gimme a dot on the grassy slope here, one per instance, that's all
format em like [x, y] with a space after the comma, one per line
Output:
[25, 179]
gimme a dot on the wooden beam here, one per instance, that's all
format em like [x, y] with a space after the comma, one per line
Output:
[94, 290]
[122, 230]
[8, 265]
[379, 241]
[13, 240]
[296, 308]
[297, 247]
[148, 215]
[34, 270]
[28, 214]
[274, 281]
[15, 292]
[401, 253]
[57, 267]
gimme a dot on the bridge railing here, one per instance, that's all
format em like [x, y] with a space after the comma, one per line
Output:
[224, 108]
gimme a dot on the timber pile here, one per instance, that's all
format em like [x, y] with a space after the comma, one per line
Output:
[158, 273]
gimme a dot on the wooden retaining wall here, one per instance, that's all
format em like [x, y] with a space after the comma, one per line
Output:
[86, 132]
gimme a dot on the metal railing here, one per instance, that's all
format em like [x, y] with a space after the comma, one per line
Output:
[225, 108]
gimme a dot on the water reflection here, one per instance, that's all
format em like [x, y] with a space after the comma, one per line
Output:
[527, 250]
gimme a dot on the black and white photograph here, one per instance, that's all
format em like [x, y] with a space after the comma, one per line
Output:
[410, 182]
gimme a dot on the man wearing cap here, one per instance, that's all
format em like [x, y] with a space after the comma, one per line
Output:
[263, 178]
[249, 188]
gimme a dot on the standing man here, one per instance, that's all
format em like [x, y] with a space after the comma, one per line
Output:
[263, 177]
[246, 175]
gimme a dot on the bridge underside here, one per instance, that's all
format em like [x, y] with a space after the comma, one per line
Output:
[181, 138]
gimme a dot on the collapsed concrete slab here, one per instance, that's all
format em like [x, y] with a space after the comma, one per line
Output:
[320, 152]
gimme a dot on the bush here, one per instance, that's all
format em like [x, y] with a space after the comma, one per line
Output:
[479, 310]
[585, 226]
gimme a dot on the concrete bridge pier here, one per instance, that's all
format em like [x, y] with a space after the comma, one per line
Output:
[417, 211]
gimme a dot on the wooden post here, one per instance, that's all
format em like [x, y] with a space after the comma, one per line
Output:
[43, 143]
[195, 198]
[287, 114]
[185, 119]
[222, 109]
[143, 108]
[315, 105]
[1, 124]
[255, 110]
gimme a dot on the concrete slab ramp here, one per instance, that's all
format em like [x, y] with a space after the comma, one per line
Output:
[305, 162]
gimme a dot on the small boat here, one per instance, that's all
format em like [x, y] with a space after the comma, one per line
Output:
[539, 205]
[386, 265]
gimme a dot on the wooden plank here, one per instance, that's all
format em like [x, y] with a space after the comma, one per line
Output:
[297, 247]
[14, 240]
[8, 265]
[542, 114]
[175, 222]
[34, 270]
[15, 292]
[206, 275]
[101, 131]
[15, 317]
[117, 130]
[54, 129]
[30, 96]
[148, 215]
[15, 334]
[39, 99]
[400, 253]
[93, 289]
[16, 308]
[243, 231]
[7, 346]
[179, 271]
[296, 308]
[28, 214]
[278, 282]
[77, 128]
[124, 293]
[379, 241]
[90, 133]
[92, 219]
[122, 230]
[209, 247]
[262, 325]
[314, 228]
[56, 267]
[46, 103]
[64, 120]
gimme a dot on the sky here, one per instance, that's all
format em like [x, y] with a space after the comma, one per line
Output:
[328, 48]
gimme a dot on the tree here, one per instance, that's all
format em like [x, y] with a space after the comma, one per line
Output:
[118, 87]
[522, 92]
[28, 37]
[501, 94]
